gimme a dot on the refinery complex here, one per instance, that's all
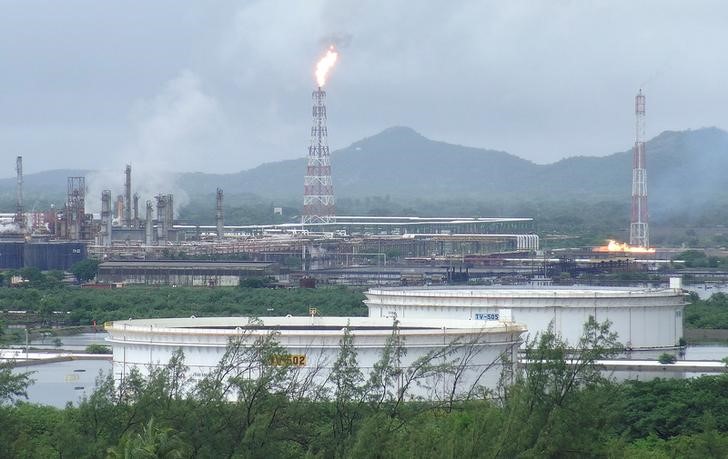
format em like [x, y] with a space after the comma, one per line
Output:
[133, 236]
[405, 262]
[141, 241]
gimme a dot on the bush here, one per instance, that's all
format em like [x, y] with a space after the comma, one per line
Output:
[85, 270]
[98, 349]
[256, 282]
[666, 359]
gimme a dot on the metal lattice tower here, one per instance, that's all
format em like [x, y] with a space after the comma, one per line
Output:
[75, 208]
[319, 205]
[639, 234]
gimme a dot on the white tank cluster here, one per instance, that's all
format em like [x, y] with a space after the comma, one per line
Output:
[643, 318]
[477, 350]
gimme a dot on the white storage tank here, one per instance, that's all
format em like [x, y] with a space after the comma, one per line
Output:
[643, 318]
[312, 344]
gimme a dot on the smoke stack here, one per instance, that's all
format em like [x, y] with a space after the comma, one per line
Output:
[19, 213]
[119, 210]
[127, 196]
[135, 219]
[219, 215]
[170, 208]
[149, 224]
[106, 219]
[639, 234]
[162, 219]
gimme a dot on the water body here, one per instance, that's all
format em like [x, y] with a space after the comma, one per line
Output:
[704, 291]
[59, 383]
[71, 342]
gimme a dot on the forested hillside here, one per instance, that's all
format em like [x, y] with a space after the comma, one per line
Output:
[685, 168]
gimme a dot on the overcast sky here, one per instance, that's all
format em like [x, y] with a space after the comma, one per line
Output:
[220, 86]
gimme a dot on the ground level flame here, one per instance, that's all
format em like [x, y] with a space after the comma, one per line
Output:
[622, 247]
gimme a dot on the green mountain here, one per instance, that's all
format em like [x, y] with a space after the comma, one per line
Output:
[685, 170]
[684, 167]
[397, 162]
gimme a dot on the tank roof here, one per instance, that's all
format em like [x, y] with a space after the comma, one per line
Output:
[526, 292]
[310, 325]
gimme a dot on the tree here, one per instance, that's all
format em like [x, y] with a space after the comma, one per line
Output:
[13, 386]
[85, 270]
[98, 349]
[348, 393]
[256, 282]
[560, 403]
[152, 442]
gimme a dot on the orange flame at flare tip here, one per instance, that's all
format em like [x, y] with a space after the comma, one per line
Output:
[325, 64]
[614, 246]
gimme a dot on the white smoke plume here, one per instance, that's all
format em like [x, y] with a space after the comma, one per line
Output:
[11, 228]
[181, 122]
[340, 40]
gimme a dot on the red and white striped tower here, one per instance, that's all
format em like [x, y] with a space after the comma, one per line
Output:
[639, 233]
[319, 205]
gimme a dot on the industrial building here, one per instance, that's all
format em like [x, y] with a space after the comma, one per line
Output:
[482, 350]
[182, 273]
[643, 318]
[42, 254]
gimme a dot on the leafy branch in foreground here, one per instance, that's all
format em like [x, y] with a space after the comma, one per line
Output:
[13, 386]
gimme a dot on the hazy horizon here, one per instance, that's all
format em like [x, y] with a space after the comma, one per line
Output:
[226, 86]
[119, 173]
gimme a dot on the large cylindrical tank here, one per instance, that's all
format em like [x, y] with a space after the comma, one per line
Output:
[642, 317]
[312, 344]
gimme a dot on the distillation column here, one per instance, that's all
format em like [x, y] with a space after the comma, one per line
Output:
[135, 217]
[162, 219]
[19, 211]
[106, 218]
[127, 197]
[219, 215]
[149, 224]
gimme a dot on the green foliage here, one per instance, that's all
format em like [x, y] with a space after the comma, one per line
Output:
[12, 386]
[667, 359]
[97, 349]
[699, 259]
[561, 404]
[671, 407]
[35, 279]
[347, 379]
[256, 282]
[86, 305]
[566, 409]
[151, 443]
[85, 270]
[710, 313]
